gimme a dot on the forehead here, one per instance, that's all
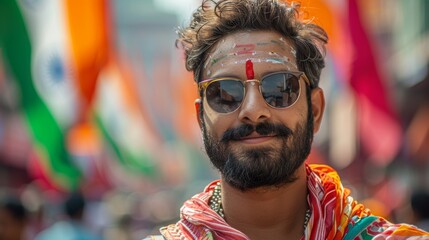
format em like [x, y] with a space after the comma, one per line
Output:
[268, 49]
[261, 38]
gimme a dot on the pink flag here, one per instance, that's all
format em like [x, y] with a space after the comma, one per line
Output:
[379, 127]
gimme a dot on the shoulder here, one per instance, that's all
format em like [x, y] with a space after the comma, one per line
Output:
[377, 227]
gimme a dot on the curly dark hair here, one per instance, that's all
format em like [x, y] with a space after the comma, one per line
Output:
[215, 19]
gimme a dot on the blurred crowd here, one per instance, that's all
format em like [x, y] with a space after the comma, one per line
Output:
[131, 145]
[118, 216]
[47, 216]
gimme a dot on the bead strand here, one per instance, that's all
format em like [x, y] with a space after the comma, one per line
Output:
[216, 205]
[216, 201]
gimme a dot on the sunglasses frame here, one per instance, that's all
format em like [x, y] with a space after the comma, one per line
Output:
[202, 86]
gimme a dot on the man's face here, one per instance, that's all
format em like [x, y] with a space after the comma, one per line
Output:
[256, 145]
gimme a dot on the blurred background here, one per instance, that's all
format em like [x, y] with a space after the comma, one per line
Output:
[94, 97]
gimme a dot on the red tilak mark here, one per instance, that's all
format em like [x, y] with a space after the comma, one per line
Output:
[249, 70]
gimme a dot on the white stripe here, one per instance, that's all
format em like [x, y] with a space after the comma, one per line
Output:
[51, 57]
[123, 120]
[188, 229]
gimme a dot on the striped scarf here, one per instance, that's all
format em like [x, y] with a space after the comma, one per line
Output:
[335, 215]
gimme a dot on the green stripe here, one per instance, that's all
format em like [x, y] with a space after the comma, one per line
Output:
[135, 163]
[45, 130]
[358, 229]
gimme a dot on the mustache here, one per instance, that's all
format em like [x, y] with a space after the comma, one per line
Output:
[264, 128]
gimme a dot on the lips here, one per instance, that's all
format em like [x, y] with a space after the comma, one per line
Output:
[258, 133]
[255, 135]
[255, 138]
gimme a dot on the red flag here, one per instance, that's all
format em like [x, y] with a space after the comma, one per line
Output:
[379, 127]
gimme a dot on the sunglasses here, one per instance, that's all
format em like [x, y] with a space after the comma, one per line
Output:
[279, 90]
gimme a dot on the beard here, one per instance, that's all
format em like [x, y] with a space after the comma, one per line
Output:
[249, 168]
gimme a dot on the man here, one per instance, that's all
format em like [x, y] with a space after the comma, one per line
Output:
[258, 67]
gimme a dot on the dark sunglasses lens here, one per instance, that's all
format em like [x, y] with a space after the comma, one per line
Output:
[280, 90]
[225, 96]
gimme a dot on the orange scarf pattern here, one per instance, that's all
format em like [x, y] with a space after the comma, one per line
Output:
[334, 214]
[331, 203]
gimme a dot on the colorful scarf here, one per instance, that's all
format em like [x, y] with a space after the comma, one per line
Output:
[335, 215]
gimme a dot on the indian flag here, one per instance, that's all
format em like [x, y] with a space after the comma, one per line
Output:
[123, 124]
[35, 37]
[88, 27]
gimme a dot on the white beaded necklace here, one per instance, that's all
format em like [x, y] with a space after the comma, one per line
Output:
[216, 205]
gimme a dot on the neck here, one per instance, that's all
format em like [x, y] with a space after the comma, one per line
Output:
[268, 212]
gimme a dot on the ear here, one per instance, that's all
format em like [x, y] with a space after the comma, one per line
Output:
[198, 110]
[318, 107]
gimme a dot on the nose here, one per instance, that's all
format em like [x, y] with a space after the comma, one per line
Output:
[253, 109]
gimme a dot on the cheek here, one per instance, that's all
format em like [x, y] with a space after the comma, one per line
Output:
[295, 115]
[302, 106]
[216, 124]
[302, 112]
[210, 116]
